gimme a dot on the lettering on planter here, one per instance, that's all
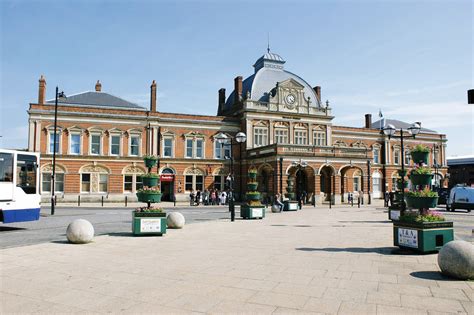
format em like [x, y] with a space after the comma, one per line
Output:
[408, 237]
[150, 225]
[257, 213]
[394, 214]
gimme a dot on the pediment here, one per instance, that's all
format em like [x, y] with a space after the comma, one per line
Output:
[194, 134]
[291, 84]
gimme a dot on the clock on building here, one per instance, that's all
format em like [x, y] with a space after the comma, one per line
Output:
[290, 99]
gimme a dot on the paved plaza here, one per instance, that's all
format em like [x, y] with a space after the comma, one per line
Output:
[313, 261]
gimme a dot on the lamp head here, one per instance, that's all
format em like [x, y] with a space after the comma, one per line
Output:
[389, 130]
[241, 137]
[221, 137]
[415, 128]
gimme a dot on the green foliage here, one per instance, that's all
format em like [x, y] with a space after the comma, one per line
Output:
[253, 193]
[423, 193]
[151, 209]
[253, 171]
[150, 157]
[151, 175]
[430, 216]
[149, 190]
[422, 170]
[420, 148]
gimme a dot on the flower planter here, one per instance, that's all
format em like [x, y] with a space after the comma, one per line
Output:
[252, 186]
[148, 197]
[252, 212]
[421, 179]
[424, 237]
[150, 162]
[252, 175]
[421, 202]
[398, 196]
[149, 223]
[150, 181]
[253, 197]
[290, 195]
[402, 173]
[420, 157]
[290, 205]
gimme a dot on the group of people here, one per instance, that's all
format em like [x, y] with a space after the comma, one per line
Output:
[208, 197]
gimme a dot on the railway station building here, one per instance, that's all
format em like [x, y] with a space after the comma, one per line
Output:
[101, 139]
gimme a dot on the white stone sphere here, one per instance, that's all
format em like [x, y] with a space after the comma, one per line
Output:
[456, 259]
[175, 220]
[80, 231]
[276, 208]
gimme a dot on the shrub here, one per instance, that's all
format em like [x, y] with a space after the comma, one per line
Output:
[149, 190]
[420, 148]
[423, 193]
[253, 193]
[150, 157]
[429, 216]
[151, 175]
[151, 209]
[421, 170]
[253, 171]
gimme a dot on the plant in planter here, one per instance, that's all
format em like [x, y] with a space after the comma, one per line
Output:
[253, 209]
[150, 160]
[290, 204]
[420, 154]
[421, 229]
[149, 220]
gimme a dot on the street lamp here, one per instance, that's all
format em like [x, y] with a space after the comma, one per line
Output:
[240, 138]
[53, 176]
[413, 130]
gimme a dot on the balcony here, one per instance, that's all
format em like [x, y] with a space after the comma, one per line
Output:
[309, 151]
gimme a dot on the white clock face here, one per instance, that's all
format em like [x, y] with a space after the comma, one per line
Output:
[290, 99]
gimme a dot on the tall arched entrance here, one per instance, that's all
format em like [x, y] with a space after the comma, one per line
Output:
[167, 179]
[304, 181]
[351, 181]
[327, 182]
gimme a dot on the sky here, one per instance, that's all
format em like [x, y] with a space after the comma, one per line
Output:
[413, 60]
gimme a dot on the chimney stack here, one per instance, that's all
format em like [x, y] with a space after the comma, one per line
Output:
[221, 98]
[237, 89]
[153, 96]
[98, 86]
[42, 90]
[368, 120]
[317, 90]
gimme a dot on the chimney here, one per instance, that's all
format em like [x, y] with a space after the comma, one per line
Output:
[42, 90]
[368, 120]
[153, 96]
[470, 96]
[317, 90]
[98, 86]
[221, 100]
[237, 89]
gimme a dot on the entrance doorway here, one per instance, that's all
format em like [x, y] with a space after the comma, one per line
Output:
[167, 184]
[327, 183]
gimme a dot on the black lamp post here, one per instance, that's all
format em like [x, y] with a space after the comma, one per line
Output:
[368, 182]
[53, 176]
[222, 139]
[413, 130]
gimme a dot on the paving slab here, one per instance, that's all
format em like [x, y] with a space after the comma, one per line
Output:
[313, 261]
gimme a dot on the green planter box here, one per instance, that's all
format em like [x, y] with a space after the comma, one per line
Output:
[394, 214]
[150, 181]
[421, 179]
[252, 186]
[252, 175]
[150, 162]
[423, 237]
[253, 197]
[149, 223]
[290, 205]
[142, 197]
[249, 212]
[420, 157]
[421, 202]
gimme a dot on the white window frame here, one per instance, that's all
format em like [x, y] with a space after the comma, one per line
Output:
[90, 183]
[60, 140]
[301, 137]
[71, 134]
[99, 182]
[55, 182]
[194, 141]
[263, 136]
[376, 155]
[396, 156]
[281, 133]
[134, 135]
[92, 134]
[319, 138]
[134, 183]
[407, 155]
[112, 135]
[163, 146]
[194, 181]
[220, 149]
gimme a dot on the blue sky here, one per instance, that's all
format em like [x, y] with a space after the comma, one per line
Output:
[412, 59]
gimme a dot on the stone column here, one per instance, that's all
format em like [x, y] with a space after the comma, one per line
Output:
[291, 135]
[271, 136]
[317, 189]
[329, 135]
[31, 134]
[337, 189]
[37, 146]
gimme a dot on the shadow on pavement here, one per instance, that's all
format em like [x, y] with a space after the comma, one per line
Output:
[62, 242]
[10, 228]
[378, 250]
[381, 221]
[120, 234]
[431, 275]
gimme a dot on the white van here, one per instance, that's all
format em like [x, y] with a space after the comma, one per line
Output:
[460, 197]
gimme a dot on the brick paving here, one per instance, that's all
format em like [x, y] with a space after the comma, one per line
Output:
[313, 261]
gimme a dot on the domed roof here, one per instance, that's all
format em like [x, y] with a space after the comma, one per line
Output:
[269, 71]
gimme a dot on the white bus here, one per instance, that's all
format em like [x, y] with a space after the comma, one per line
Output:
[19, 186]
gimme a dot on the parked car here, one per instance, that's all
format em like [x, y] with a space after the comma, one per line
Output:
[443, 194]
[460, 197]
